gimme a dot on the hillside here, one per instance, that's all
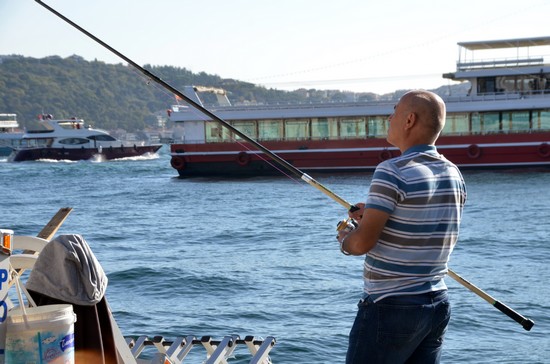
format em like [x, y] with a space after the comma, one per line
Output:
[118, 96]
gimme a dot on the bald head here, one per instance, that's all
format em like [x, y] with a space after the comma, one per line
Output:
[418, 118]
[429, 108]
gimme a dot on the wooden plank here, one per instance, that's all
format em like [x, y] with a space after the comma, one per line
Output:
[49, 230]
[55, 223]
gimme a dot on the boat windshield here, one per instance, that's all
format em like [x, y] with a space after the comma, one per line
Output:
[102, 138]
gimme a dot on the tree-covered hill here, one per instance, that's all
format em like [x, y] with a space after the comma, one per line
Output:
[112, 96]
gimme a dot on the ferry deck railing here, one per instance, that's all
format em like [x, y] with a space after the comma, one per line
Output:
[509, 62]
[498, 96]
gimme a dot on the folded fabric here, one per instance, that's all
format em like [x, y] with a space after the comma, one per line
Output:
[68, 270]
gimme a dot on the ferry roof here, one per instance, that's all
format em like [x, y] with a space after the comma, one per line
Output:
[506, 43]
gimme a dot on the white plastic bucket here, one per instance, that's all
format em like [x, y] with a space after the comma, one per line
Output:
[45, 335]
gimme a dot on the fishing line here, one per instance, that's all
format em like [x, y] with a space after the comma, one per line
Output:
[526, 323]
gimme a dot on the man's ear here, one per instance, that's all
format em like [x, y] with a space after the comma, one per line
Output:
[411, 120]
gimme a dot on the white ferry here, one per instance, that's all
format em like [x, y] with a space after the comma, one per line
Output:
[503, 121]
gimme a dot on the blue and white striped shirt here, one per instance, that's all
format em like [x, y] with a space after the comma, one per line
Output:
[424, 194]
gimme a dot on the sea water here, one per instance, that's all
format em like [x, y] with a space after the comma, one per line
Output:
[258, 256]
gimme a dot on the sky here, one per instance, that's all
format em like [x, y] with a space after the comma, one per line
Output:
[354, 45]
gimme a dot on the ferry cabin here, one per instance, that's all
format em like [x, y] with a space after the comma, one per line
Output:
[493, 104]
[360, 127]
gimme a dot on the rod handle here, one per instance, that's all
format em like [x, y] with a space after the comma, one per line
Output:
[526, 323]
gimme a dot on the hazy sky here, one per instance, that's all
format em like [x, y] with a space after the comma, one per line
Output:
[359, 45]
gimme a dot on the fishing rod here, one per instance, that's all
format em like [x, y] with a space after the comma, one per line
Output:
[526, 323]
[283, 163]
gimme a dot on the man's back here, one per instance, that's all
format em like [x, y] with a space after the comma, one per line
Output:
[424, 194]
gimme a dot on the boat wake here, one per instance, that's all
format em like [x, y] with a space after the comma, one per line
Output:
[46, 160]
[98, 158]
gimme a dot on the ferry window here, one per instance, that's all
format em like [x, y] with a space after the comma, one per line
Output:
[486, 85]
[485, 122]
[74, 141]
[333, 127]
[506, 84]
[324, 128]
[226, 133]
[476, 123]
[214, 131]
[270, 129]
[540, 83]
[491, 122]
[526, 84]
[296, 129]
[246, 127]
[353, 127]
[541, 120]
[378, 126]
[516, 121]
[456, 124]
[319, 128]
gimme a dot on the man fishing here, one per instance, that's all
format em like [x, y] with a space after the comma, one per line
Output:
[407, 228]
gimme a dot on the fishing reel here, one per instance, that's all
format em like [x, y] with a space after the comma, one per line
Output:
[347, 225]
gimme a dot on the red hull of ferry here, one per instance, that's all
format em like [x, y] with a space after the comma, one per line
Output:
[468, 152]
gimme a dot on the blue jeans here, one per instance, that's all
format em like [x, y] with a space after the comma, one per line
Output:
[400, 329]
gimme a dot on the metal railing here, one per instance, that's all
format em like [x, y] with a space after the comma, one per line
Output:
[508, 62]
[216, 351]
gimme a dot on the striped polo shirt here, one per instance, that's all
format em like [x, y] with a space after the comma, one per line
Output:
[424, 194]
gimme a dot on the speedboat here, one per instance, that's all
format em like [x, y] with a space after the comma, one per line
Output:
[71, 139]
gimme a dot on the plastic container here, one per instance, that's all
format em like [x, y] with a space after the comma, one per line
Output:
[44, 335]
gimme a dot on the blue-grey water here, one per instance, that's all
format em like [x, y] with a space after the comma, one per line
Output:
[258, 256]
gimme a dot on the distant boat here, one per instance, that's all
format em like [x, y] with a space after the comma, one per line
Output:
[502, 122]
[10, 134]
[71, 139]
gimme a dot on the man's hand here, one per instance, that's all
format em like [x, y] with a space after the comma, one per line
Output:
[357, 214]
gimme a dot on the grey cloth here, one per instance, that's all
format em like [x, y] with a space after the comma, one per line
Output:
[67, 270]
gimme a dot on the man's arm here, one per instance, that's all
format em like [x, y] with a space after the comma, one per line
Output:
[362, 239]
